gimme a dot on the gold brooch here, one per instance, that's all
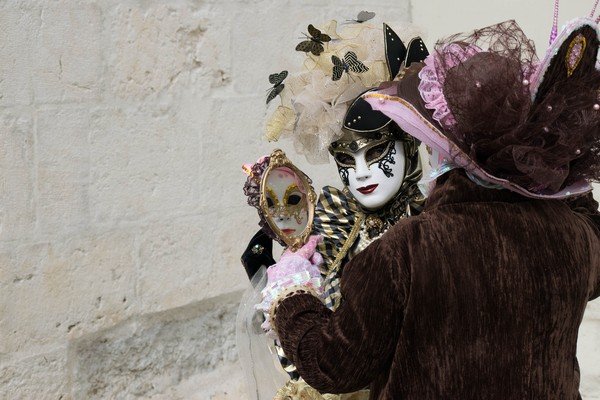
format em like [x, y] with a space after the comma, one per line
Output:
[373, 222]
[257, 249]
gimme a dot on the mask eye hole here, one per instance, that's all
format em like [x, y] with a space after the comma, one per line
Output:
[271, 198]
[375, 153]
[293, 199]
[344, 159]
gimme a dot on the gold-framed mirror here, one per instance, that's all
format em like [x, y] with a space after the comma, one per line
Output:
[287, 200]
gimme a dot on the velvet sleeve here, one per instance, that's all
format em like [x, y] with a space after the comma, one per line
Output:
[587, 206]
[343, 351]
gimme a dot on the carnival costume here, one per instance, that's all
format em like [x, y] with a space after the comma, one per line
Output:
[322, 112]
[480, 296]
[346, 225]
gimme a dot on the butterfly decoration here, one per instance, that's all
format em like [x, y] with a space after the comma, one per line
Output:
[362, 17]
[349, 63]
[314, 42]
[277, 81]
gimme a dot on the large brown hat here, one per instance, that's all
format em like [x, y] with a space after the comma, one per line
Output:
[486, 105]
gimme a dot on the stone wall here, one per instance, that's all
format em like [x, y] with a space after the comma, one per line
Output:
[123, 126]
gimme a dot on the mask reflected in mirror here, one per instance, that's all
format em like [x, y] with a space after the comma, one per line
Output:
[286, 201]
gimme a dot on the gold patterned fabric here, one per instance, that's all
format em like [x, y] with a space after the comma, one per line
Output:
[335, 215]
[338, 219]
[300, 390]
[341, 222]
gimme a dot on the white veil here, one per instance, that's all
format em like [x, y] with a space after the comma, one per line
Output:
[264, 374]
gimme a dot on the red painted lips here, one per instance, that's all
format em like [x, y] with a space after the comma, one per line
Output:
[367, 189]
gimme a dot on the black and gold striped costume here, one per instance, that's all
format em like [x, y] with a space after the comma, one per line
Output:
[341, 222]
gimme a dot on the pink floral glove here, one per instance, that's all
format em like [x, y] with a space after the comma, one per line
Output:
[294, 269]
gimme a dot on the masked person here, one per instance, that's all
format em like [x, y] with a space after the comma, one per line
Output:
[378, 163]
[480, 296]
[379, 166]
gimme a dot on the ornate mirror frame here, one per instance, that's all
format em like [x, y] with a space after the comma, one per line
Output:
[278, 159]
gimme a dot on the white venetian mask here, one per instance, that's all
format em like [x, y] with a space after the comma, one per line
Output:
[373, 173]
[286, 200]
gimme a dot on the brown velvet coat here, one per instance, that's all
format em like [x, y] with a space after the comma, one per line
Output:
[480, 297]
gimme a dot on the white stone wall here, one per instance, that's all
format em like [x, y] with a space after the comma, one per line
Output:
[123, 126]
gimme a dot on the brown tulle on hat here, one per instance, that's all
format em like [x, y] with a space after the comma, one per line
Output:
[485, 102]
[544, 144]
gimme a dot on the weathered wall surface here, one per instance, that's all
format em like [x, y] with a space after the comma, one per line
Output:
[123, 126]
[119, 194]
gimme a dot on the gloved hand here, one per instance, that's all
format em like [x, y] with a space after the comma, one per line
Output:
[259, 252]
[294, 269]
